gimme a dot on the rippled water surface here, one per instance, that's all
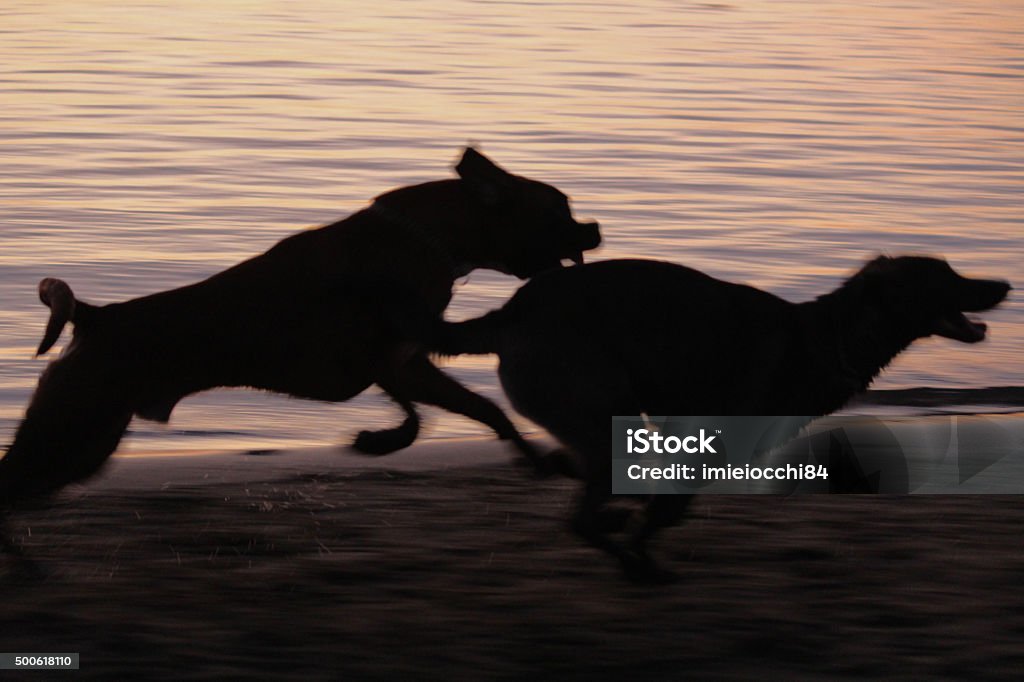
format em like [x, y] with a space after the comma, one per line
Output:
[146, 145]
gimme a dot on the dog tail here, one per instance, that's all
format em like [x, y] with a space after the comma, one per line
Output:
[478, 336]
[64, 308]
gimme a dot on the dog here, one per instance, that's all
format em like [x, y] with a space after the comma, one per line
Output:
[630, 337]
[309, 318]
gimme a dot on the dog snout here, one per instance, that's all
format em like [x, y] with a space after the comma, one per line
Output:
[985, 293]
[1000, 289]
[588, 235]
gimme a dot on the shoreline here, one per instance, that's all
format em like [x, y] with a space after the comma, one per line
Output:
[160, 469]
[445, 562]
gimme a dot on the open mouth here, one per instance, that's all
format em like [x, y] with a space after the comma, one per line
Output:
[958, 327]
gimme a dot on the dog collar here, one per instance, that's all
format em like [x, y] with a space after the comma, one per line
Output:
[396, 217]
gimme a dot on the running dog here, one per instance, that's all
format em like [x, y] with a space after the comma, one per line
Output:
[631, 337]
[311, 317]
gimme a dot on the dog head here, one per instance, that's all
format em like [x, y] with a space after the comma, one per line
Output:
[925, 296]
[529, 225]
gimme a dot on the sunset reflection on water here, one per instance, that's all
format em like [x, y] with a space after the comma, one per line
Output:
[148, 145]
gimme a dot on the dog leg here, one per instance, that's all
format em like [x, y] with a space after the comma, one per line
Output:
[594, 518]
[386, 441]
[661, 512]
[590, 521]
[72, 425]
[421, 381]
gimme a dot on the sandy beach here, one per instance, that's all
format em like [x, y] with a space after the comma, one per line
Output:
[150, 144]
[322, 565]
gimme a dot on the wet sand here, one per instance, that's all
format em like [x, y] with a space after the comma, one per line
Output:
[246, 567]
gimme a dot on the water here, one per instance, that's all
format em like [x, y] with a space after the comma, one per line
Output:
[146, 145]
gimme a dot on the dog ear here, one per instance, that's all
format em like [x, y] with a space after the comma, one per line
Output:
[485, 179]
[879, 266]
[869, 282]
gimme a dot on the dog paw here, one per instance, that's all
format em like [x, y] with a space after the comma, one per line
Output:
[380, 442]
